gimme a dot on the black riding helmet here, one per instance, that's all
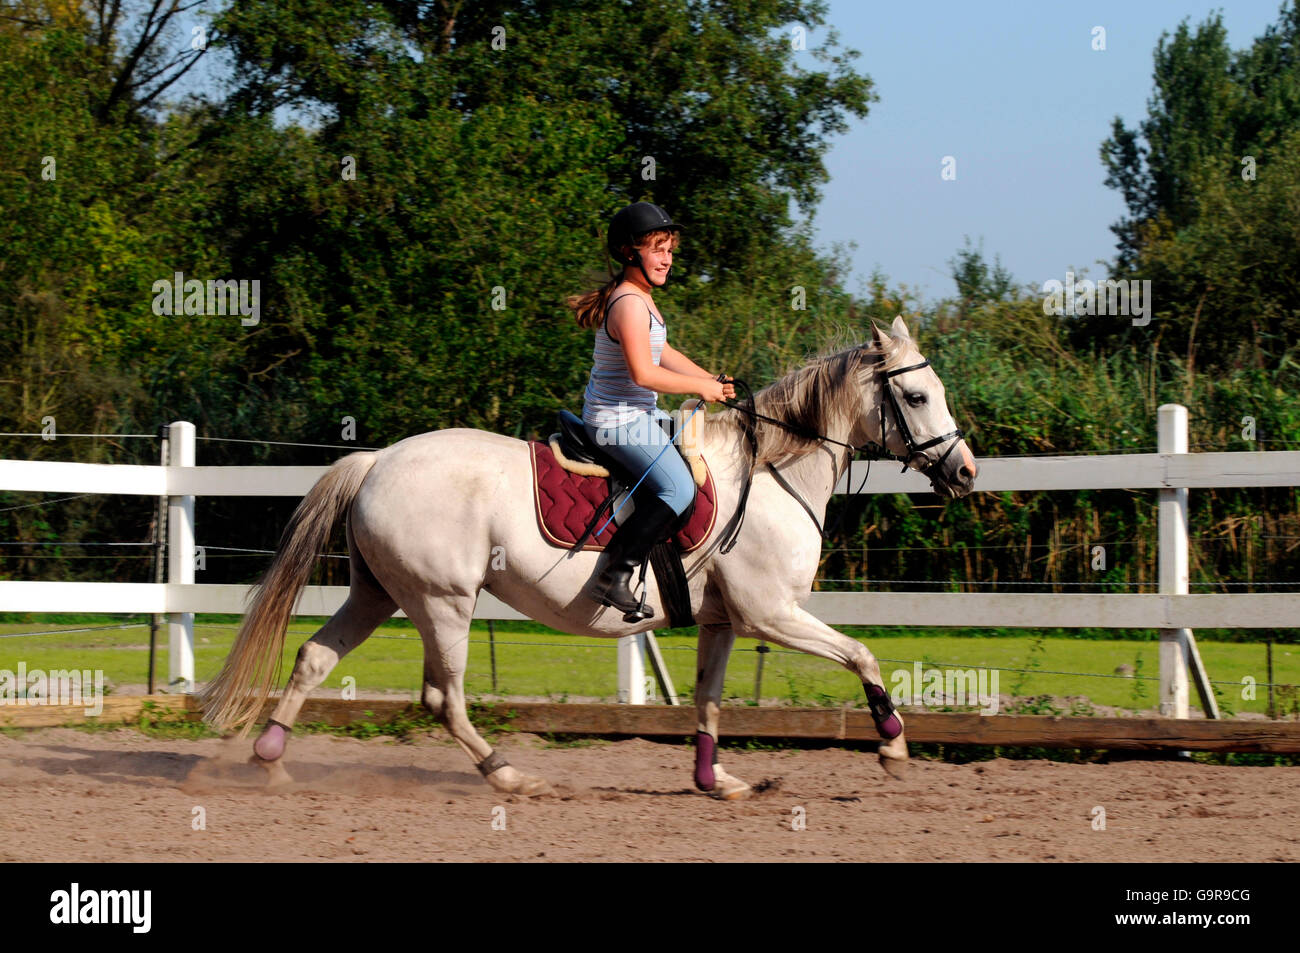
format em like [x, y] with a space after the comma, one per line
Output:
[629, 224]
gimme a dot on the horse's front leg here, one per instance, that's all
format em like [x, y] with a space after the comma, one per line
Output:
[795, 628]
[712, 652]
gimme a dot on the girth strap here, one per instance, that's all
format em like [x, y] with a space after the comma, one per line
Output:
[673, 590]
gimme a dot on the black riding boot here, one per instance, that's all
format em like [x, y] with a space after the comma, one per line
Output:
[629, 549]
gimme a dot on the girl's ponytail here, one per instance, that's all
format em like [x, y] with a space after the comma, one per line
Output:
[589, 308]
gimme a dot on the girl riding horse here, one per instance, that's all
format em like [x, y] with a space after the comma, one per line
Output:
[632, 364]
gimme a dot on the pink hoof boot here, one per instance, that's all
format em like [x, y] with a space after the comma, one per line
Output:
[706, 756]
[882, 712]
[270, 745]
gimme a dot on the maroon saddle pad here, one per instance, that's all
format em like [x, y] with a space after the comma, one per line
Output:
[565, 503]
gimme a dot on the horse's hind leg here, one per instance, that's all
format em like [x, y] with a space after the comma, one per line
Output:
[444, 626]
[712, 652]
[366, 607]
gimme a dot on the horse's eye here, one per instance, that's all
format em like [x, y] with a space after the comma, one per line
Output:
[915, 398]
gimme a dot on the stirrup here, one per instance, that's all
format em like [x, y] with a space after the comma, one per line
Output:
[641, 612]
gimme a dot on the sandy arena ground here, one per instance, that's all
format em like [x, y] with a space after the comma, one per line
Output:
[121, 796]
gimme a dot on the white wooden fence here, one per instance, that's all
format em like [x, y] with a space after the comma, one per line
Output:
[1172, 472]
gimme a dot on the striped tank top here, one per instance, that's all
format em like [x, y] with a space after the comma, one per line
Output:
[612, 399]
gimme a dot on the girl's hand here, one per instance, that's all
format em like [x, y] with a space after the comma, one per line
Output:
[712, 391]
[728, 387]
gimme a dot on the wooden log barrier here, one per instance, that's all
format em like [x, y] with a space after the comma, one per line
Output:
[827, 724]
[117, 709]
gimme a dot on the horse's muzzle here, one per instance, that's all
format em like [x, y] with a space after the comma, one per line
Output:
[954, 476]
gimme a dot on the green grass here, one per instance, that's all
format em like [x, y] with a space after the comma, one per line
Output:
[555, 666]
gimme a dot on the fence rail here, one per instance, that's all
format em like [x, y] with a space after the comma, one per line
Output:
[1128, 471]
[1135, 471]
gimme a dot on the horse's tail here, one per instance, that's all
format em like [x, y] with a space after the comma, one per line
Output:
[235, 697]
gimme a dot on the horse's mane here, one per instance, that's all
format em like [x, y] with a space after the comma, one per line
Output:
[813, 397]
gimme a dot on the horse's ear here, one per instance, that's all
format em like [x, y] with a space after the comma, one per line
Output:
[898, 329]
[880, 338]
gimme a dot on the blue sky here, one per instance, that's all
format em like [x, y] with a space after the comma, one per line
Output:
[1016, 94]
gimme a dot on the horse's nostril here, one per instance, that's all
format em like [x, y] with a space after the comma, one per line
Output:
[968, 471]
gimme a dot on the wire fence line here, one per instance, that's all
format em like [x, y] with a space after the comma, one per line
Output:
[836, 549]
[66, 542]
[92, 628]
[1050, 582]
[98, 436]
[1230, 443]
[62, 556]
[1021, 547]
[265, 552]
[154, 436]
[28, 506]
[612, 645]
[286, 443]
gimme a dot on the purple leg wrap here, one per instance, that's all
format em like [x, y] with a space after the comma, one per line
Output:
[706, 756]
[270, 745]
[882, 712]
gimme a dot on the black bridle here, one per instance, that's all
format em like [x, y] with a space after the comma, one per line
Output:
[870, 449]
[914, 449]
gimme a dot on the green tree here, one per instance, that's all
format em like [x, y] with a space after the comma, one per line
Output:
[1209, 181]
[977, 281]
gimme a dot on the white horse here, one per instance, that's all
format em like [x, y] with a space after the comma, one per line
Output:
[426, 517]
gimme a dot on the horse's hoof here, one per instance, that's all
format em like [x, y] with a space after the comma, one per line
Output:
[508, 780]
[276, 775]
[896, 768]
[530, 786]
[740, 794]
[731, 789]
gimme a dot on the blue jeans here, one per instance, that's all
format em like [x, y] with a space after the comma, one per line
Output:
[635, 445]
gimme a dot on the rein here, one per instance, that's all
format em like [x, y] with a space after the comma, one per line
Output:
[871, 449]
[728, 541]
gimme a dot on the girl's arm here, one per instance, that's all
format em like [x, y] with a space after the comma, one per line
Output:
[675, 360]
[627, 326]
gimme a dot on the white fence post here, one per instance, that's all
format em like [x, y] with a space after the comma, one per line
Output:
[1171, 430]
[631, 669]
[180, 563]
